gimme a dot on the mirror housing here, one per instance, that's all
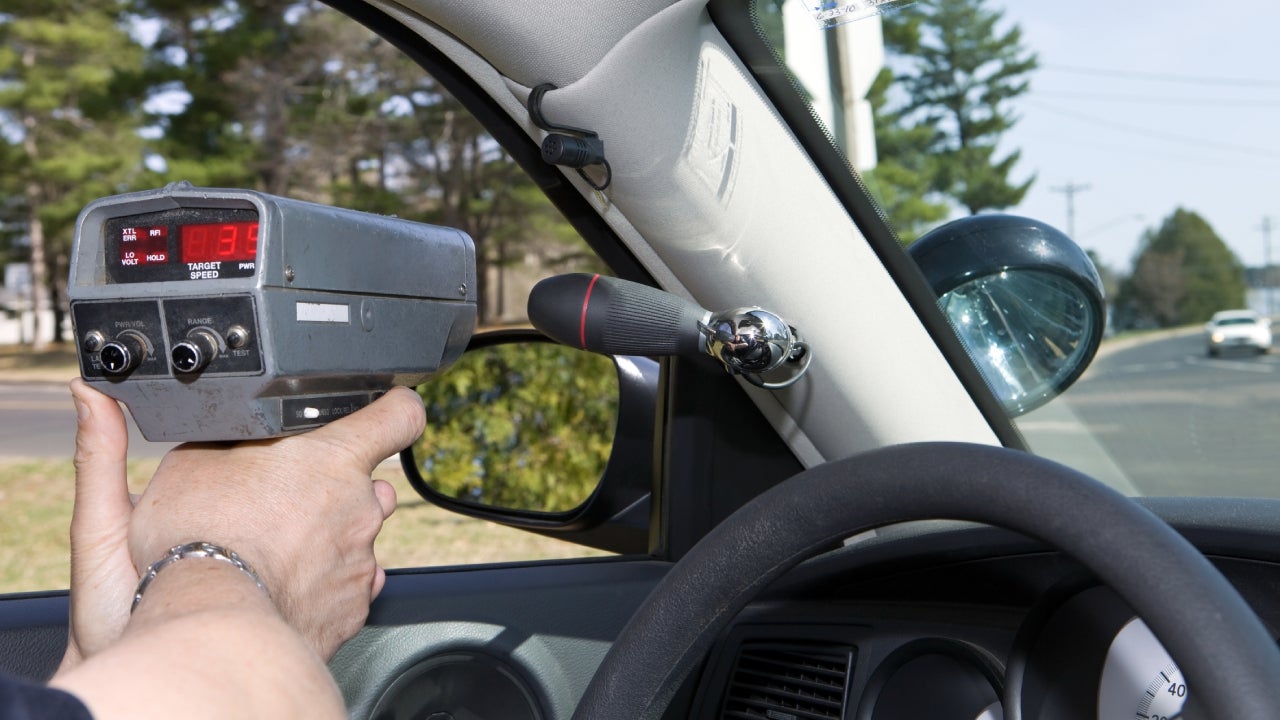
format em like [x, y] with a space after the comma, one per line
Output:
[1025, 300]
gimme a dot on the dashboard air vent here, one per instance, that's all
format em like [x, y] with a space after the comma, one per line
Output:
[780, 681]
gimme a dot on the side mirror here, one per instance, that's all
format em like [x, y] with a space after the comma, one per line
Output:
[1024, 299]
[531, 434]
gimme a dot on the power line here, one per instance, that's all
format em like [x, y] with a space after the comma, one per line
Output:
[1155, 100]
[1182, 155]
[1110, 224]
[1163, 77]
[1149, 133]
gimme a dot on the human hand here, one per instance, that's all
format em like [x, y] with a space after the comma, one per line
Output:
[301, 510]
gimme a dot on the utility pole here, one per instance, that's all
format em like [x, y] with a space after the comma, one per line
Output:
[1267, 288]
[1070, 190]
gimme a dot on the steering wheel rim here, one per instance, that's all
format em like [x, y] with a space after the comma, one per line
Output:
[1220, 645]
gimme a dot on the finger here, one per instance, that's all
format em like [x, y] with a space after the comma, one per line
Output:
[102, 447]
[386, 495]
[379, 582]
[374, 433]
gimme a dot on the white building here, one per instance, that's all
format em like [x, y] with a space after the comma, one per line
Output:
[17, 321]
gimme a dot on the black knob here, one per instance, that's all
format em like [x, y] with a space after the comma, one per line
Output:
[122, 355]
[237, 337]
[93, 341]
[194, 353]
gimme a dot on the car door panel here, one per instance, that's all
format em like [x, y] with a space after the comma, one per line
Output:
[33, 633]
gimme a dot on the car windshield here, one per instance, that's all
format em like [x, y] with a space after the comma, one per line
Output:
[1060, 112]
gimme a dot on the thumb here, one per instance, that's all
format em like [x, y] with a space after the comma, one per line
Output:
[102, 502]
[102, 573]
[383, 428]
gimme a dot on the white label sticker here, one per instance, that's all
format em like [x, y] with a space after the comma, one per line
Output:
[830, 13]
[323, 312]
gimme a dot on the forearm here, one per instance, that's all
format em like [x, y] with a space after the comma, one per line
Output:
[205, 642]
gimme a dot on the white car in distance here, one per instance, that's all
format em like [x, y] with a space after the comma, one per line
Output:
[1230, 329]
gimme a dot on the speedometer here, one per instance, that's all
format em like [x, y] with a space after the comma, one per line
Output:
[1139, 679]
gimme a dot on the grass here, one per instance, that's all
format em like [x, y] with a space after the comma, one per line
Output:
[36, 497]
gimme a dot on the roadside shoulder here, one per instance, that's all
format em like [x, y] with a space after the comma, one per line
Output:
[1133, 340]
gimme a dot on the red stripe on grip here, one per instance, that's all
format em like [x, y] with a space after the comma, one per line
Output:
[586, 300]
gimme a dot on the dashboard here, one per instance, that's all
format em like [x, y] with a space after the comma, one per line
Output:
[959, 624]
[936, 620]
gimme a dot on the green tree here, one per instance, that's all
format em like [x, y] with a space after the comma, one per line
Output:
[1183, 273]
[902, 180]
[461, 177]
[244, 65]
[376, 132]
[956, 71]
[1110, 281]
[345, 113]
[66, 109]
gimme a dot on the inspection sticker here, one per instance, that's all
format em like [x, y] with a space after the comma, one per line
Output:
[831, 13]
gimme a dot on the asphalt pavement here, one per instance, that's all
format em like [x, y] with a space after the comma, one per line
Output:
[38, 420]
[1163, 418]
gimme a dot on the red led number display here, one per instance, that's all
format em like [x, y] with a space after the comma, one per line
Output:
[214, 242]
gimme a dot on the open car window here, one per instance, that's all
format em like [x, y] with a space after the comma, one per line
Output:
[300, 101]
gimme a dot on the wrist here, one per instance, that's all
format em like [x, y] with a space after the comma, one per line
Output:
[71, 658]
[217, 565]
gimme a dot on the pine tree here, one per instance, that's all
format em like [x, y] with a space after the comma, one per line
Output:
[234, 60]
[72, 126]
[956, 71]
[903, 177]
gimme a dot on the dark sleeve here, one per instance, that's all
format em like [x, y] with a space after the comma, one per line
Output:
[24, 700]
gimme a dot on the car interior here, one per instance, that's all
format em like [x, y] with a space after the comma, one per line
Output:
[884, 535]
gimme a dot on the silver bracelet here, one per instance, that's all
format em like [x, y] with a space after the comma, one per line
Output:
[193, 550]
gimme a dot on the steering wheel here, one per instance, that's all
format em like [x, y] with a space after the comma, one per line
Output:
[1218, 642]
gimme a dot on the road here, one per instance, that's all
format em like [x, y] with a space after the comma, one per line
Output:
[37, 419]
[1170, 421]
[1158, 418]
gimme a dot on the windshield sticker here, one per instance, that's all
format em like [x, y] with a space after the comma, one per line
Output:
[831, 13]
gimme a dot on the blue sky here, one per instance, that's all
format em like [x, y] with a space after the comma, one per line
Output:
[1152, 106]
